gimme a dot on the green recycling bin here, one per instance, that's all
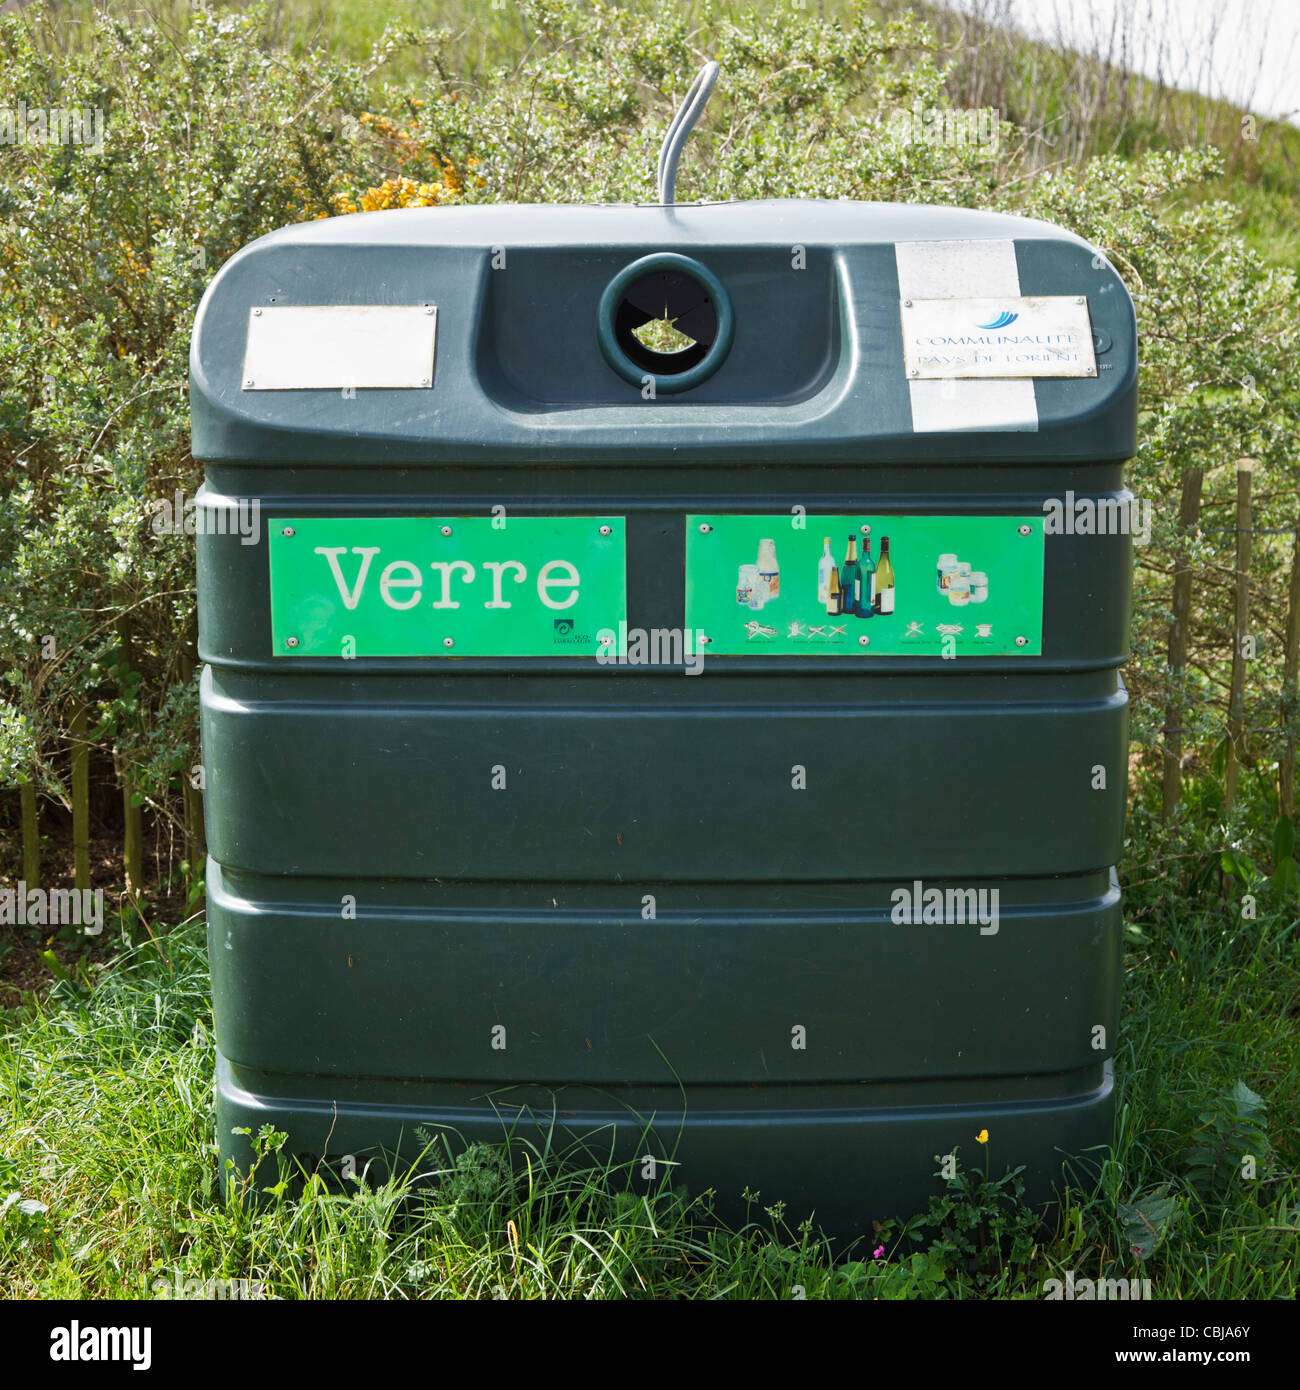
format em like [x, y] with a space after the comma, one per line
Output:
[670, 698]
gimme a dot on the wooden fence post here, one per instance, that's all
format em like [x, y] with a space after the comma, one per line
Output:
[1290, 673]
[1240, 632]
[80, 797]
[1189, 512]
[31, 818]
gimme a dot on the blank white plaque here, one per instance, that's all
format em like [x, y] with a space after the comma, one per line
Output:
[331, 347]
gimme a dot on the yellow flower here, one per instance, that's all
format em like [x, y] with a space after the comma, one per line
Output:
[982, 1137]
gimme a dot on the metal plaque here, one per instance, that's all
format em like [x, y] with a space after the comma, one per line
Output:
[962, 585]
[331, 347]
[1033, 336]
[446, 586]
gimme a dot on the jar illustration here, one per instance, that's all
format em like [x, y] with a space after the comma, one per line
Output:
[947, 564]
[768, 570]
[751, 592]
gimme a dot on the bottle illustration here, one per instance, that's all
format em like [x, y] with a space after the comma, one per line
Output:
[768, 571]
[868, 605]
[884, 579]
[851, 580]
[824, 567]
[834, 595]
[748, 587]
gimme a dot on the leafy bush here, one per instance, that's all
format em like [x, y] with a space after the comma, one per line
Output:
[211, 138]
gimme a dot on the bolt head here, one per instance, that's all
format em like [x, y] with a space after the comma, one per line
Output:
[290, 641]
[248, 381]
[257, 313]
[1024, 530]
[1022, 641]
[448, 642]
[907, 304]
[288, 531]
[914, 372]
[446, 530]
[864, 641]
[705, 528]
[606, 530]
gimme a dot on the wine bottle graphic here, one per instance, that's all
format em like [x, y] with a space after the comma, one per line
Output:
[851, 580]
[834, 594]
[884, 579]
[824, 567]
[868, 605]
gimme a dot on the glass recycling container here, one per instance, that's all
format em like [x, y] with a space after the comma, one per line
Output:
[670, 699]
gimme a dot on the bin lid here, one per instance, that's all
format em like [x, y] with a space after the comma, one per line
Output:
[817, 331]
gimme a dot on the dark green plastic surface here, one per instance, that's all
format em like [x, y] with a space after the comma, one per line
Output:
[378, 910]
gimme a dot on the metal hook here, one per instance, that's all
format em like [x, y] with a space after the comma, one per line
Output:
[692, 107]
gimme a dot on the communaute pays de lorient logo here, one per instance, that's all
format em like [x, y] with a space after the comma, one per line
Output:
[1003, 320]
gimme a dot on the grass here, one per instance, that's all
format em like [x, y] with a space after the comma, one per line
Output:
[109, 1183]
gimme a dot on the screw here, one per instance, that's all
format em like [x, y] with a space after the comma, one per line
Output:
[705, 528]
[1024, 530]
[248, 381]
[1092, 371]
[288, 531]
[428, 308]
[1022, 641]
[1080, 300]
[290, 641]
[448, 642]
[864, 641]
[605, 641]
[446, 530]
[606, 530]
[257, 313]
[703, 640]
[907, 304]
[424, 381]
[866, 530]
[914, 372]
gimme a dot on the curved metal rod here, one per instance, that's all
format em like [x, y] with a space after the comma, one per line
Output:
[692, 107]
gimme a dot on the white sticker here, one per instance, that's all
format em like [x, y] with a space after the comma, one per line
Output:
[331, 347]
[1007, 337]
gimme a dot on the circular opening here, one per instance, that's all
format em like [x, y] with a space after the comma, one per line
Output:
[665, 317]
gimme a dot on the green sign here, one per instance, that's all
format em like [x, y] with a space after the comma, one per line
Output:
[874, 585]
[445, 586]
